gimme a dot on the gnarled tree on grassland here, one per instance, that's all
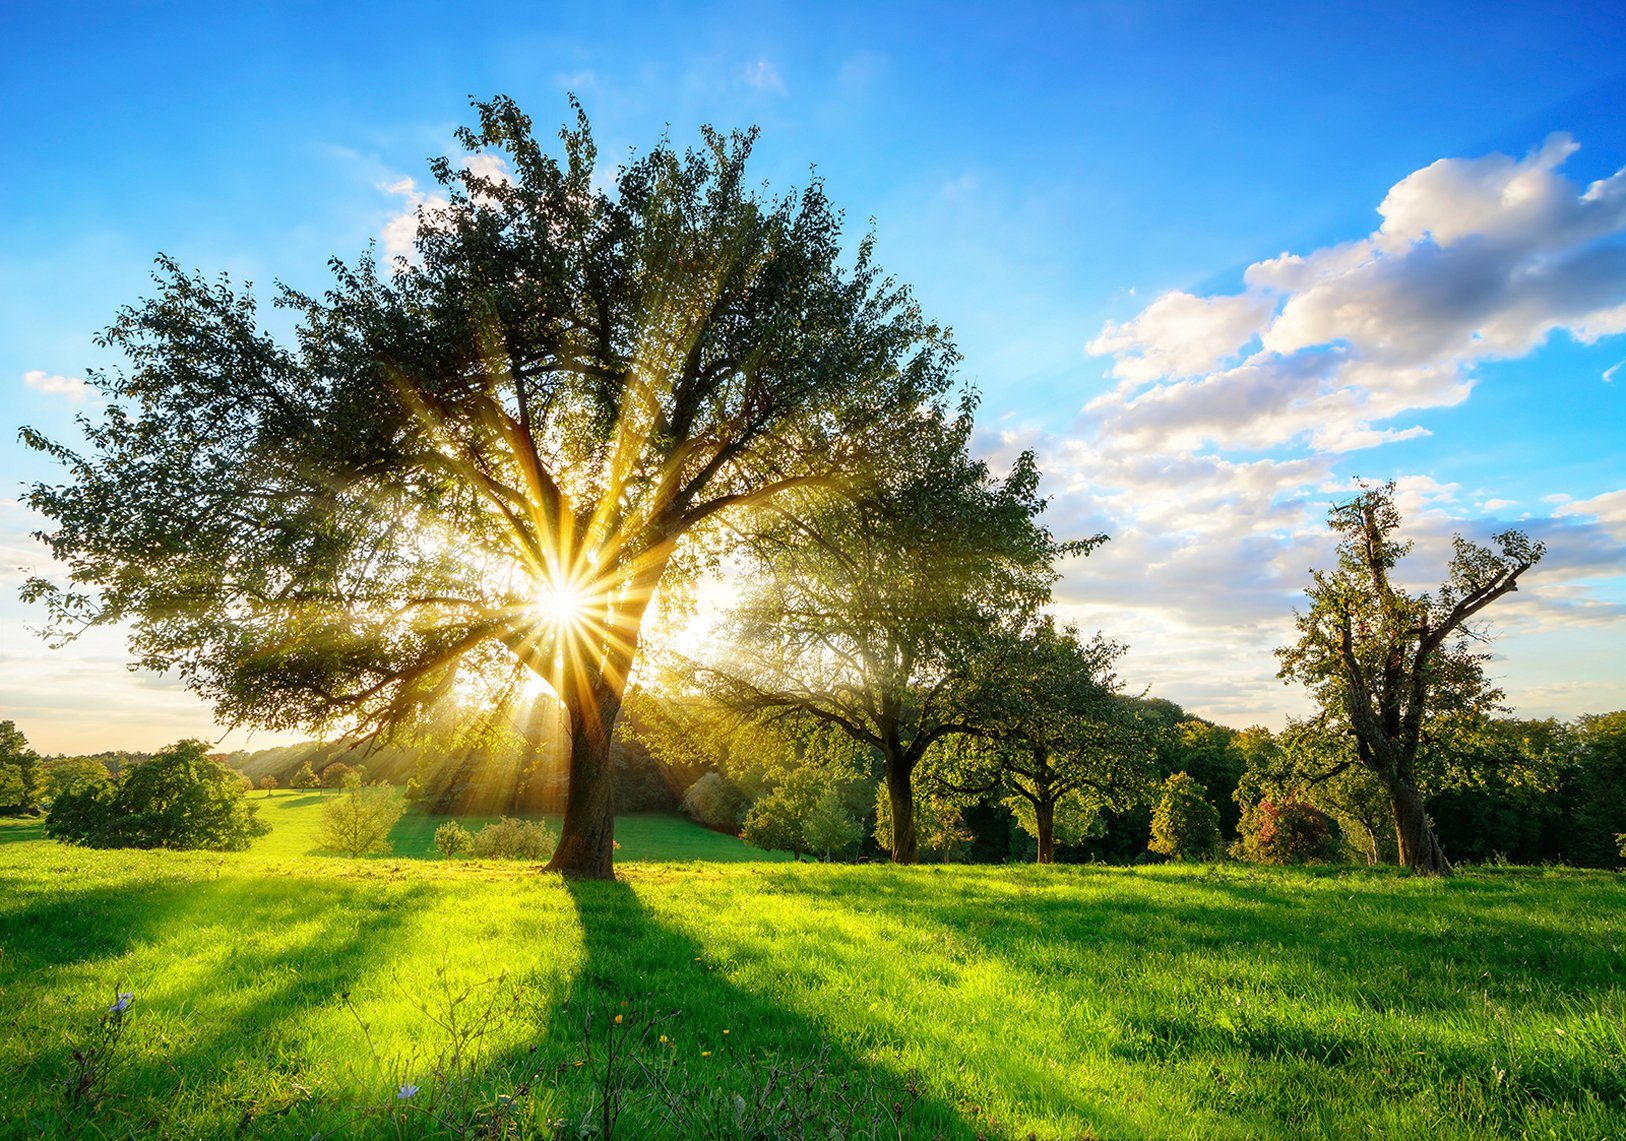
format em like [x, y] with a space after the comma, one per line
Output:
[1387, 666]
[482, 463]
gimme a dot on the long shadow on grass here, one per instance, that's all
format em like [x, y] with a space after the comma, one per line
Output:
[729, 1051]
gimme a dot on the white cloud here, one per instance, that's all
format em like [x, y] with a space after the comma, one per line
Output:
[70, 388]
[401, 231]
[1475, 259]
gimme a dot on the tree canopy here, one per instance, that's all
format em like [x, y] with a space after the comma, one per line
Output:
[476, 466]
[1390, 667]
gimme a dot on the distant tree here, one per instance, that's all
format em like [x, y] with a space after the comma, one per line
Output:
[1387, 666]
[869, 609]
[482, 461]
[358, 821]
[181, 798]
[452, 840]
[1598, 789]
[1288, 832]
[778, 820]
[1211, 755]
[830, 826]
[21, 781]
[305, 777]
[267, 783]
[1056, 740]
[1185, 825]
[334, 774]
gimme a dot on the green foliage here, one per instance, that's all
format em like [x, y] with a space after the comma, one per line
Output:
[357, 822]
[1289, 832]
[21, 779]
[830, 827]
[453, 840]
[511, 839]
[65, 774]
[306, 777]
[267, 783]
[335, 773]
[939, 825]
[1185, 825]
[716, 802]
[181, 798]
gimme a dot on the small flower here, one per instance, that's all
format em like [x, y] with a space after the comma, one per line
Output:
[618, 1020]
[725, 1032]
[407, 1090]
[664, 1039]
[122, 1003]
[705, 1053]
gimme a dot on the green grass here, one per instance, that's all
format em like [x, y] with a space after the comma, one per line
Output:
[290, 997]
[295, 816]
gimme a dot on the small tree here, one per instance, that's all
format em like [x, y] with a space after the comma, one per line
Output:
[334, 774]
[777, 821]
[267, 783]
[357, 822]
[452, 840]
[305, 777]
[830, 827]
[1185, 826]
[1289, 832]
[181, 798]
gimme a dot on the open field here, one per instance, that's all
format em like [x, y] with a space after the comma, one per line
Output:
[293, 997]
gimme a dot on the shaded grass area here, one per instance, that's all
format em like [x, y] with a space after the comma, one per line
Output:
[294, 998]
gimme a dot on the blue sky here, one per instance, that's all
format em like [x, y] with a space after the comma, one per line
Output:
[1079, 191]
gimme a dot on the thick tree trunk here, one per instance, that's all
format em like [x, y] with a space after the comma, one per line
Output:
[1420, 849]
[1045, 816]
[587, 838]
[900, 791]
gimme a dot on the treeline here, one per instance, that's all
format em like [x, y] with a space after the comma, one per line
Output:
[1508, 789]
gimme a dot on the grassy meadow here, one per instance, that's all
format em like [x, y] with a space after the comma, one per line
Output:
[286, 995]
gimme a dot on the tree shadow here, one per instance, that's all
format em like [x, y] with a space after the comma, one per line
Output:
[725, 1048]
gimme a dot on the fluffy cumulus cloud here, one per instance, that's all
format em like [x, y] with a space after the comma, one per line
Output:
[1213, 459]
[1475, 259]
[71, 388]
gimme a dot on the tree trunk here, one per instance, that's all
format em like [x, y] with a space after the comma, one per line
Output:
[587, 838]
[1420, 850]
[901, 793]
[1045, 816]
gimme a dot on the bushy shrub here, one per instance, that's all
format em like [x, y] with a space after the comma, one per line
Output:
[511, 839]
[716, 802]
[1185, 826]
[333, 775]
[181, 798]
[452, 839]
[358, 821]
[1289, 832]
[305, 777]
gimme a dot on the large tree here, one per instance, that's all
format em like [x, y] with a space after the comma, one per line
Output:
[872, 610]
[1389, 667]
[483, 460]
[1056, 739]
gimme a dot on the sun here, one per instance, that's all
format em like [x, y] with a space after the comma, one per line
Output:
[561, 604]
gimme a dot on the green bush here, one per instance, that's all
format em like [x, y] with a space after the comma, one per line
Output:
[1185, 826]
[452, 840]
[333, 775]
[716, 802]
[358, 821]
[830, 828]
[510, 839]
[1289, 832]
[179, 799]
[304, 778]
